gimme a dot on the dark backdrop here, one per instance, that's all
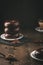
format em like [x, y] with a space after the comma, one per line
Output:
[27, 11]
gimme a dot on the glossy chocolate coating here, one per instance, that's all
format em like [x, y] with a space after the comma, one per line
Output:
[40, 53]
[11, 28]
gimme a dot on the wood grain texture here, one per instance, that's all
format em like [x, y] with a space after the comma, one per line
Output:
[22, 53]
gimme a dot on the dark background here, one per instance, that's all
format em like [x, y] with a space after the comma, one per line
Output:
[27, 11]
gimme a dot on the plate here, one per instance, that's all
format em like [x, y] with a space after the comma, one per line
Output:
[3, 37]
[38, 29]
[32, 54]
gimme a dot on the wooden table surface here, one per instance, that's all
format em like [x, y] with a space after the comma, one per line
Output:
[22, 53]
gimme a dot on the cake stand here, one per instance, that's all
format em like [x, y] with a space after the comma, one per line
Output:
[38, 29]
[32, 54]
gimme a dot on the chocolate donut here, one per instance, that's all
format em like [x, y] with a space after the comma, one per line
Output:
[39, 53]
[11, 29]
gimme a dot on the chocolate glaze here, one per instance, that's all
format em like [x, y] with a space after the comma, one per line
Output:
[40, 53]
[11, 29]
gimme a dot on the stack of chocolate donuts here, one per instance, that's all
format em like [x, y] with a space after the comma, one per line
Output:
[11, 29]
